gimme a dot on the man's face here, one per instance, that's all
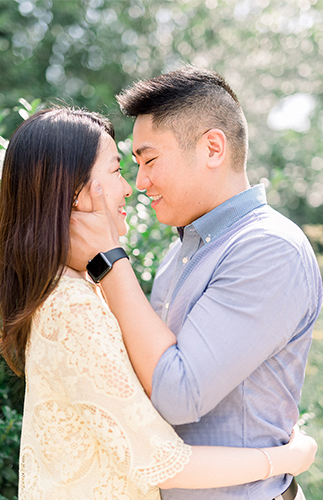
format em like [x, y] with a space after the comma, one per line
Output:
[172, 177]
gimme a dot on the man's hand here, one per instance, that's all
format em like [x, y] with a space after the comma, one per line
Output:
[91, 232]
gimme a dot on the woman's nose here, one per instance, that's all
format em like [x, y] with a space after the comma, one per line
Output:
[128, 188]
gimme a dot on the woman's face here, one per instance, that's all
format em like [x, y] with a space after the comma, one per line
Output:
[106, 170]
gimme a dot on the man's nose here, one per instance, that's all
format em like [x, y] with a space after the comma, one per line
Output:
[142, 182]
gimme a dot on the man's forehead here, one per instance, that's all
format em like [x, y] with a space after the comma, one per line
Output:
[145, 124]
[142, 123]
[144, 135]
[147, 136]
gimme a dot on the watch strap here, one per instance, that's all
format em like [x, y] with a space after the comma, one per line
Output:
[115, 254]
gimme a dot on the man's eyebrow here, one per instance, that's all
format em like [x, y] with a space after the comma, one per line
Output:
[143, 149]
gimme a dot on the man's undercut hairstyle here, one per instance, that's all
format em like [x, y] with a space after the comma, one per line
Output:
[189, 102]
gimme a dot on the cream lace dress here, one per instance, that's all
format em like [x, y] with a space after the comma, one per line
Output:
[89, 430]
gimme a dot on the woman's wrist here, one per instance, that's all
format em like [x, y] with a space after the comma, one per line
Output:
[269, 472]
[277, 460]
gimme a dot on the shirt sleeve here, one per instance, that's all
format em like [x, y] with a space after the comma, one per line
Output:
[99, 381]
[257, 300]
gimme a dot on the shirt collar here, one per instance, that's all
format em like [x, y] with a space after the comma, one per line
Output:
[210, 225]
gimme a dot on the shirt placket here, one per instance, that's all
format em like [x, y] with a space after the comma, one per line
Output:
[190, 244]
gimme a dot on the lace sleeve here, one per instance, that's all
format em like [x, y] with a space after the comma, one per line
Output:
[100, 382]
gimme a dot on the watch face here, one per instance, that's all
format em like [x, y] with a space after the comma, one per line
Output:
[98, 267]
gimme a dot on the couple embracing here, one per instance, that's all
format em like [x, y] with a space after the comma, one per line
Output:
[220, 351]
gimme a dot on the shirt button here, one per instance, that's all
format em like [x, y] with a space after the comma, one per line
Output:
[208, 239]
[184, 260]
[167, 305]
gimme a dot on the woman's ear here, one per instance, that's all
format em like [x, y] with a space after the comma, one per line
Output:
[216, 143]
[84, 201]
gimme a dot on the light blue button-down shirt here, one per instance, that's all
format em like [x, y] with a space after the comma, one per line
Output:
[241, 290]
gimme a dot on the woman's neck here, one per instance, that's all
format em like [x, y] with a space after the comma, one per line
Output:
[71, 273]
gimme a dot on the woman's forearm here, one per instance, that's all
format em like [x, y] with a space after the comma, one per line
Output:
[215, 467]
[145, 335]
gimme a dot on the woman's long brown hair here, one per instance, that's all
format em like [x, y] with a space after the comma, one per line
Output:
[48, 160]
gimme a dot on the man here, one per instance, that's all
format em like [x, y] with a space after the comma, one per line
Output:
[240, 289]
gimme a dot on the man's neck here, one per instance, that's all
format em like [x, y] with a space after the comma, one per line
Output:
[233, 185]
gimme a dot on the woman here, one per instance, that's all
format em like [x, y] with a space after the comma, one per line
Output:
[89, 431]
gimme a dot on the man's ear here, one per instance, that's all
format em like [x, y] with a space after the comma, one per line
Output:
[216, 143]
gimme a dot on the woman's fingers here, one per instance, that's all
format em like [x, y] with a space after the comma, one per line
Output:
[98, 200]
[304, 449]
[294, 433]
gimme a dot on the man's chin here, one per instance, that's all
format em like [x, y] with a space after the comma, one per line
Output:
[171, 221]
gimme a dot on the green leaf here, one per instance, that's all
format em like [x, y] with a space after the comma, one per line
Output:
[25, 104]
[4, 113]
[34, 105]
[3, 143]
[23, 113]
[9, 474]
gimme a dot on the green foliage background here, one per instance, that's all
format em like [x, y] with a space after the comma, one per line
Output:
[83, 52]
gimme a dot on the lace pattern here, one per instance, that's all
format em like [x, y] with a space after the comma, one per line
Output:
[89, 430]
[29, 474]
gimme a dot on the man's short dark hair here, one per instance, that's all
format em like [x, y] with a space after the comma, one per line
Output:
[190, 101]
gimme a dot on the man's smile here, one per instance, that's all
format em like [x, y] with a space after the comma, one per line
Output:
[155, 197]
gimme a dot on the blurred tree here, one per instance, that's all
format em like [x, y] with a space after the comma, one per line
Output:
[11, 399]
[85, 51]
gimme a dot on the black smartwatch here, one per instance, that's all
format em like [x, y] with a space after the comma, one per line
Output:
[102, 263]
